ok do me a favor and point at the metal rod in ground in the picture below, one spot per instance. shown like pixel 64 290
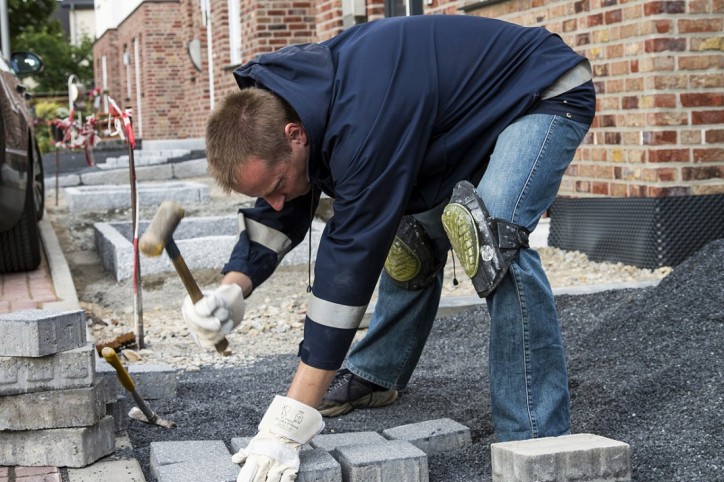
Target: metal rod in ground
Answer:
pixel 57 169
pixel 137 296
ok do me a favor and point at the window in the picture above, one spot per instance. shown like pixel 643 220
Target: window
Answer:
pixel 401 8
pixel 234 32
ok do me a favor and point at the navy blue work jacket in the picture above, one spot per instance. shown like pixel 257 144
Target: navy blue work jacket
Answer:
pixel 397 111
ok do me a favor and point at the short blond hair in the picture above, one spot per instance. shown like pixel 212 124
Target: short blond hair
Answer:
pixel 248 123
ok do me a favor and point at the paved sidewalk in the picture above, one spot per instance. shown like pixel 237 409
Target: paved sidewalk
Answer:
pixel 26 291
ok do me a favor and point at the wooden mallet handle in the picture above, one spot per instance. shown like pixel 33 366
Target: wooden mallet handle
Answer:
pixel 159 235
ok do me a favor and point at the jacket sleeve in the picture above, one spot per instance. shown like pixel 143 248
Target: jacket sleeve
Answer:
pixel 266 236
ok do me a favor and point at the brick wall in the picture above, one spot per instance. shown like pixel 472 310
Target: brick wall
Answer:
pixel 658 75
pixel 657 66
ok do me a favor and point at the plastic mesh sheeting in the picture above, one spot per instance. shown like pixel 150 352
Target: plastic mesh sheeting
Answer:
pixel 644 232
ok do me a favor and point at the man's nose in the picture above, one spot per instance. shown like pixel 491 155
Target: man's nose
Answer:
pixel 276 201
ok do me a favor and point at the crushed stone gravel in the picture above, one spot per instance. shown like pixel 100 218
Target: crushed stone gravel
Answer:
pixel 645 368
pixel 645 364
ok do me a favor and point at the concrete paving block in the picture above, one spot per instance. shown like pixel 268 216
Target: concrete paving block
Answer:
pixel 99 178
pixel 64 180
pixel 126 470
pixel 119 411
pixel 153 381
pixel 315 465
pixel 332 441
pixel 158 172
pixel 396 460
pixel 58 447
pixel 37 333
pixel 203 242
pixel 238 443
pixel 104 197
pixel 192 461
pixel 76 407
pixel 433 436
pixel 192 168
pixel 64 370
pixel 579 457
pixel 191 144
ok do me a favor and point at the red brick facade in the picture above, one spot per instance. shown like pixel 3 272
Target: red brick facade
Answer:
pixel 657 67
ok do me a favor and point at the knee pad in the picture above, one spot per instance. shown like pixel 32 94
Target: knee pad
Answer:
pixel 411 262
pixel 484 246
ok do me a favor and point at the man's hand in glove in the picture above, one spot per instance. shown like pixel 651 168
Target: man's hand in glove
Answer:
pixel 273 455
pixel 215 315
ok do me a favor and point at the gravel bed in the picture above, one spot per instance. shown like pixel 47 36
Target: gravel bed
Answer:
pixel 645 364
pixel 274 317
pixel 645 368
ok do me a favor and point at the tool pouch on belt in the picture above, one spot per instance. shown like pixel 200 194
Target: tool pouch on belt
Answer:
pixel 411 263
pixel 484 246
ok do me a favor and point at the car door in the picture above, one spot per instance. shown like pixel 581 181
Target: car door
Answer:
pixel 14 161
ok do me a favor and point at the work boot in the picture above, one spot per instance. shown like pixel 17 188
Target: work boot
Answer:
pixel 348 391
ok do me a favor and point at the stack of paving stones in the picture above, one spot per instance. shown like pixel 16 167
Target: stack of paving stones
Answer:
pixel 398 454
pixel 52 410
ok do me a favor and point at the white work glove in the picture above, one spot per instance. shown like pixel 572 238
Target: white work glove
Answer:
pixel 273 455
pixel 215 315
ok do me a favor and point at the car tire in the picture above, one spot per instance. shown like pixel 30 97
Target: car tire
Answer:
pixel 20 246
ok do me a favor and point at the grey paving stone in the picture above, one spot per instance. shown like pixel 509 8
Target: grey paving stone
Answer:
pixel 58 447
pixel 192 461
pixel 99 178
pixel 238 443
pixel 64 370
pixel 396 460
pixel 433 436
pixel 95 198
pixel 36 333
pixel 119 411
pixel 127 470
pixel 579 457
pixel 193 168
pixel 203 242
pixel 153 381
pixel 64 180
pixel 76 407
pixel 315 465
pixel 332 441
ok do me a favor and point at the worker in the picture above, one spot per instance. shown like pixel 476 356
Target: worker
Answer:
pixel 429 132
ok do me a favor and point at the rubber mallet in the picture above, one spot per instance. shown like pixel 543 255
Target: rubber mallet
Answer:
pixel 159 235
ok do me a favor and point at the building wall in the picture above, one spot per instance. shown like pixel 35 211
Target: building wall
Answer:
pixel 657 71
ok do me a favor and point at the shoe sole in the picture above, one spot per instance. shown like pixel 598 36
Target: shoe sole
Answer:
pixel 379 399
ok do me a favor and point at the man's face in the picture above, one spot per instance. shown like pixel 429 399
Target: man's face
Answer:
pixel 282 182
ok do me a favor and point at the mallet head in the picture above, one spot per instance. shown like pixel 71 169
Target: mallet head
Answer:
pixel 161 229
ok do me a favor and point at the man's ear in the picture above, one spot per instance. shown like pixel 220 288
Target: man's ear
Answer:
pixel 295 133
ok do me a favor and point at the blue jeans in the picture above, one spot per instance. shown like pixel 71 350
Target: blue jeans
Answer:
pixel 527 365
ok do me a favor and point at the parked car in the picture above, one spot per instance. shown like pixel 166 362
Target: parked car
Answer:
pixel 22 190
